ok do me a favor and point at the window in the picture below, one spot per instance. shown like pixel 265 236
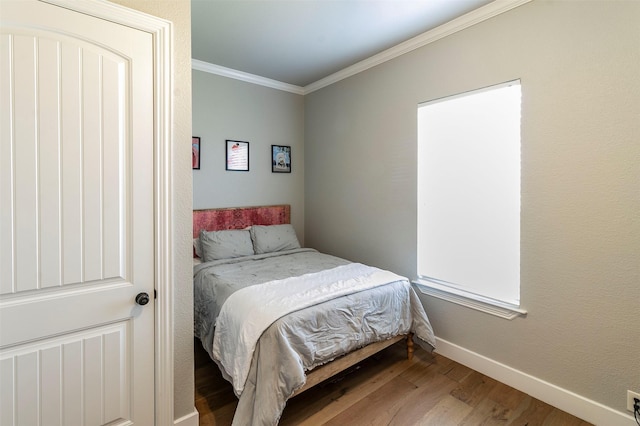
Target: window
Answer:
pixel 469 198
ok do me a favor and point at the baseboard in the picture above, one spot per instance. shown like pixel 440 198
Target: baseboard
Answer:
pixel 190 419
pixel 572 403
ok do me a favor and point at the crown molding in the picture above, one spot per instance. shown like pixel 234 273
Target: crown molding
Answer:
pixel 488 11
pixel 245 76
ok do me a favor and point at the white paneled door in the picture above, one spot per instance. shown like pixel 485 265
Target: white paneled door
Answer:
pixel 76 219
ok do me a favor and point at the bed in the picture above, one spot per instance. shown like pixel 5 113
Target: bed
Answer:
pixel 278 318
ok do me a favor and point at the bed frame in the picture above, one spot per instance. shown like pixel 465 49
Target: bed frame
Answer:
pixel 242 217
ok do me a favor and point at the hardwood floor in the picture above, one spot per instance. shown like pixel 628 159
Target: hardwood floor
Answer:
pixel 386 389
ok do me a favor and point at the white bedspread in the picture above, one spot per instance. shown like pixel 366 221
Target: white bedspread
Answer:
pixel 239 325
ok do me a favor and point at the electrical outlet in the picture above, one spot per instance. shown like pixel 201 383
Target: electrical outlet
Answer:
pixel 630 402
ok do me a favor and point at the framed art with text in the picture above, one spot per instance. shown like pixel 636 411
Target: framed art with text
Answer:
pixel 280 159
pixel 237 156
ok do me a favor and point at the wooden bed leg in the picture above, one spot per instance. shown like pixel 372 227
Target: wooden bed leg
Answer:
pixel 410 346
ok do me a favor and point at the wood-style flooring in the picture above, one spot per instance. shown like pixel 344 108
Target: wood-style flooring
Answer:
pixel 387 389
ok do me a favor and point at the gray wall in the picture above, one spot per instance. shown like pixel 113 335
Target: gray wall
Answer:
pixel 224 108
pixel 579 63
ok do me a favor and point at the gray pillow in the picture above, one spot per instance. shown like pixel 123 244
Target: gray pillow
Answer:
pixel 197 248
pixel 217 245
pixel 270 238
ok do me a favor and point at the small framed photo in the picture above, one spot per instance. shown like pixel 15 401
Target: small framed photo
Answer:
pixel 195 153
pixel 280 159
pixel 237 156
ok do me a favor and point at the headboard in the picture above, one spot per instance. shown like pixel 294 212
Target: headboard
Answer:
pixel 239 217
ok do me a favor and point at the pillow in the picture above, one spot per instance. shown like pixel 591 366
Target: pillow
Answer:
pixel 225 244
pixel 270 238
pixel 197 249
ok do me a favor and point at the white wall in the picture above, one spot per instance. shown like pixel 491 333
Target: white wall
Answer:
pixel 223 109
pixel 579 63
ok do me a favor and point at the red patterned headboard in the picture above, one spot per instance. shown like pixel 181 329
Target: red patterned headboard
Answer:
pixel 239 217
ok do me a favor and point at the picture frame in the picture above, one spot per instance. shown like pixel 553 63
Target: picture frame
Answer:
pixel 280 159
pixel 237 158
pixel 195 153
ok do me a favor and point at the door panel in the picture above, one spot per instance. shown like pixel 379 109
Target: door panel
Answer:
pixel 76 212
pixel 71 165
pixel 78 379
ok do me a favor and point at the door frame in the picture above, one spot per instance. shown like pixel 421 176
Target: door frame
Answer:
pixel 161 31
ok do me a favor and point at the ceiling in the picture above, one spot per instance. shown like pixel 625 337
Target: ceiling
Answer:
pixel 299 42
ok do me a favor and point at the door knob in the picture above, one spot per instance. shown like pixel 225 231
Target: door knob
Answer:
pixel 142 299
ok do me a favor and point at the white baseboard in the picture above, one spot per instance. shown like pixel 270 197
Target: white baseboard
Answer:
pixel 572 403
pixel 190 419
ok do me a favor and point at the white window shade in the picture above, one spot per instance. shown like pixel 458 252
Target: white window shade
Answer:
pixel 469 192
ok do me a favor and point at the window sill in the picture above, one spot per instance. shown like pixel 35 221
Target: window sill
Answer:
pixel 470 300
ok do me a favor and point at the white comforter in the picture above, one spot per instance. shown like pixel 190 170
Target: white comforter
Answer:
pixel 240 324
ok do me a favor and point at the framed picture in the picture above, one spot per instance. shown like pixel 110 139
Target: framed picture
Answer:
pixel 195 153
pixel 237 156
pixel 280 159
